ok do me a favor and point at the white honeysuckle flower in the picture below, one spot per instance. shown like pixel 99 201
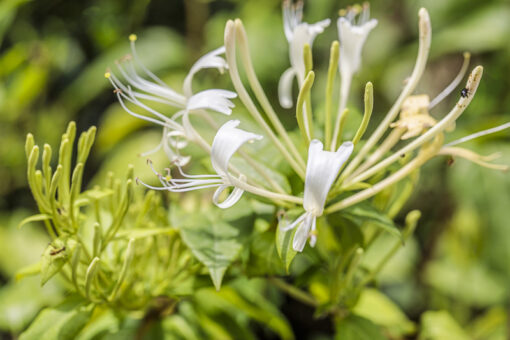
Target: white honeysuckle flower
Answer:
pixel 227 141
pixel 352 35
pixel 151 88
pixel 210 60
pixel 298 34
pixel 321 170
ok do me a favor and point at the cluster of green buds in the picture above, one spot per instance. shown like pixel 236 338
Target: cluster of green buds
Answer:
pixel 103 239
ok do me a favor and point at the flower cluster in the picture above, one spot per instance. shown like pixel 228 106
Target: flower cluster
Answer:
pixel 330 182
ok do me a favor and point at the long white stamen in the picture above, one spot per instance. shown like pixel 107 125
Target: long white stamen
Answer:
pixel 455 82
pixel 132 39
pixel 480 134
pixel 120 95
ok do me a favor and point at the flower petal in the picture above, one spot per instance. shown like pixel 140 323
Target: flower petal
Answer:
pixel 302 233
pixel 321 170
pixel 352 38
pixel 214 99
pixel 285 88
pixel 303 34
pixel 232 199
pixel 209 60
pixel 227 141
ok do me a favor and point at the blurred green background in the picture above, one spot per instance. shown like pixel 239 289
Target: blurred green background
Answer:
pixel 53 54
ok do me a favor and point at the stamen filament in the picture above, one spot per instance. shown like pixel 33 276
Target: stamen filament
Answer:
pixel 455 82
pixel 480 134
pixel 472 84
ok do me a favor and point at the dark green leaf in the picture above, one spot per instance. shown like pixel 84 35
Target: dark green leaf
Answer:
pixel 439 325
pixel 355 327
pixel 362 213
pixel 284 241
pixel 216 237
pixel 62 322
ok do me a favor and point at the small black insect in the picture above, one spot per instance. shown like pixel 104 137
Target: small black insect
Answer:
pixel 57 251
pixel 464 93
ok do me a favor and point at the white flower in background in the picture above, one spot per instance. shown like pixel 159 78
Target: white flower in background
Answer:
pixel 298 34
pixel 353 33
pixel 321 170
pixel 175 135
pixel 227 141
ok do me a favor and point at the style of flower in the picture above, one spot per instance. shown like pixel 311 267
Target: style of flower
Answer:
pixel 298 35
pixel 321 171
pixel 227 141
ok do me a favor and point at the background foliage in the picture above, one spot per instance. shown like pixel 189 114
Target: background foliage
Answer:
pixel 452 278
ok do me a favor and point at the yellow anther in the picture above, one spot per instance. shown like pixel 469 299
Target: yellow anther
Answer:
pixel 107 75
pixel 132 37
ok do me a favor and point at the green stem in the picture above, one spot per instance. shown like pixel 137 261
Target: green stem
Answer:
pixel 296 293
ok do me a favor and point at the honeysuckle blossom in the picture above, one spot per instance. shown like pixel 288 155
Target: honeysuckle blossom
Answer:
pixel 227 141
pixel 321 170
pixel 352 34
pixel 298 34
pixel 154 89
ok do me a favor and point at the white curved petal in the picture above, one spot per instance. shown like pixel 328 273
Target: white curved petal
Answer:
pixel 302 233
pixel 227 141
pixel 209 60
pixel 285 88
pixel 321 170
pixel 232 199
pixel 303 34
pixel 352 38
pixel 214 99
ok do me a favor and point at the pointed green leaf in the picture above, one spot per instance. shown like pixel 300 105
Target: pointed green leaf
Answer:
pixel 284 241
pixel 439 325
pixel 29 270
pixel 62 322
pixel 216 236
pixel 354 327
pixel 361 213
pixel 379 309
pixel 34 218
pixel 55 256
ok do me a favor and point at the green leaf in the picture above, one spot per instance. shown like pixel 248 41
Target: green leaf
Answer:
pixel 264 259
pixel 347 232
pixel 33 269
pixel 439 325
pixel 362 213
pixel 284 242
pixel 62 322
pixel 55 256
pixel 355 327
pixel 34 218
pixel 21 301
pixel 216 237
pixel 379 309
